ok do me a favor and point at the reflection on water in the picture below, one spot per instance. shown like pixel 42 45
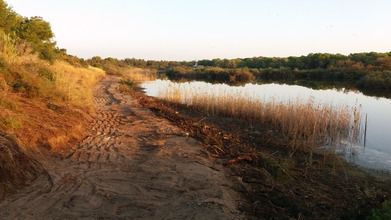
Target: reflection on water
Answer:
pixel 376 154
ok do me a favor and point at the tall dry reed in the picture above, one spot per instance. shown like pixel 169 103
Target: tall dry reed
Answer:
pixel 139 74
pixel 303 124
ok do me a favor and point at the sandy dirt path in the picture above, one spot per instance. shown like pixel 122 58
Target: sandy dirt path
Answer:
pixel 132 165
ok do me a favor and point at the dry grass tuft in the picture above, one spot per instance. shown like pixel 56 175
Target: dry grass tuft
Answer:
pixel 131 76
pixel 8 48
pixel 10 121
pixel 10 117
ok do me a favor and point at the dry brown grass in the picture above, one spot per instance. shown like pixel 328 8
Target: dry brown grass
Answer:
pixel 24 72
pixel 139 74
pixel 10 117
pixel 76 84
pixel 24 75
pixel 303 124
pixel 8 48
pixel 131 76
pixel 59 81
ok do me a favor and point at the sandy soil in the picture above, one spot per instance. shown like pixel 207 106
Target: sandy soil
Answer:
pixel 132 165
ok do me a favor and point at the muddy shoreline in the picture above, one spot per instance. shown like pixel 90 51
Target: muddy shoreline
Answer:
pixel 277 184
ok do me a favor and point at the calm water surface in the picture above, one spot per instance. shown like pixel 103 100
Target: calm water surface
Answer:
pixel 377 152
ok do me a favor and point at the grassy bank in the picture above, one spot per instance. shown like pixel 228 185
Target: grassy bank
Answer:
pixel 39 81
pixel 45 98
pixel 115 67
pixel 44 107
pixel 25 77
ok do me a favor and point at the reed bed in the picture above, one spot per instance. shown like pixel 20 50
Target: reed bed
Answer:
pixel 303 124
pixel 139 74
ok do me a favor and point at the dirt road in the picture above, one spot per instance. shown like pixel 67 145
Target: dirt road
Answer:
pixel 132 165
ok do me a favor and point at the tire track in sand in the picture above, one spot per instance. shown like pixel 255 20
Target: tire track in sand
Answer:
pixel 132 165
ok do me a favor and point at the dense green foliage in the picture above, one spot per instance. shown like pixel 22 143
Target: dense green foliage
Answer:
pixel 357 61
pixel 9 20
pixel 378 61
pixel 376 80
pixel 366 70
pixel 112 63
pixel 34 33
pixel 215 74
pixel 109 65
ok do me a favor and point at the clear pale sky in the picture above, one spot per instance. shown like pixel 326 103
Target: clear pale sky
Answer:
pixel 189 30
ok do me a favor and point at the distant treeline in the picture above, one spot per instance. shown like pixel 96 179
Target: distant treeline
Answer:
pixel 112 63
pixel 372 60
pixel 366 70
pixel 378 61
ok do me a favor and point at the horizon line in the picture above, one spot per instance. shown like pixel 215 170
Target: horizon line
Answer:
pixel 261 56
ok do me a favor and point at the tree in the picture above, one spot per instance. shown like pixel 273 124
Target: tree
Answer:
pixel 9 20
pixel 96 61
pixel 38 33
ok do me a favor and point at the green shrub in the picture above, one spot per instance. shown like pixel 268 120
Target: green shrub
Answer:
pixel 47 74
pixel 213 74
pixel 382 213
pixel 26 88
pixel 376 80
pixel 73 60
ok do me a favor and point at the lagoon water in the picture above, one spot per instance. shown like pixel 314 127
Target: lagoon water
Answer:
pixel 376 154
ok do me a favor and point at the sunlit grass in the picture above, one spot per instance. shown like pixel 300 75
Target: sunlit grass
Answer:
pixel 303 124
pixel 8 48
pixel 25 78
pixel 10 121
pixel 59 81
pixel 75 83
pixel 131 76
